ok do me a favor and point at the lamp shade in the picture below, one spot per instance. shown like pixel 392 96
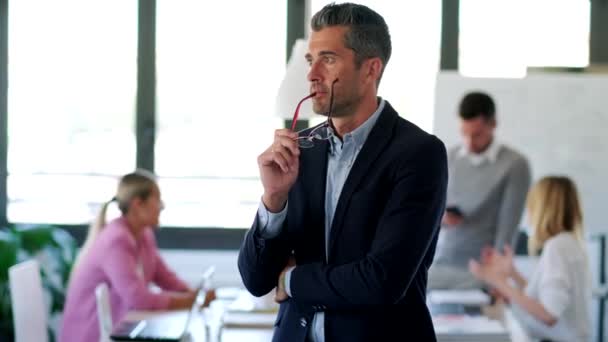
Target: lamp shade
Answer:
pixel 294 86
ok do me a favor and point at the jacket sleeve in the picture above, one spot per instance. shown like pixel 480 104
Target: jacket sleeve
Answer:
pixel 407 227
pixel 261 260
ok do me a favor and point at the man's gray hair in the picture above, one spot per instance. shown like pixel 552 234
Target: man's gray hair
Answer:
pixel 368 34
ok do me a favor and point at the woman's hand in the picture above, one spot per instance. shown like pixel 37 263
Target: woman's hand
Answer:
pixel 495 268
pixel 209 297
pixel 503 263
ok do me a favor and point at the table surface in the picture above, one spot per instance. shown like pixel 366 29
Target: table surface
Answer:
pixel 207 326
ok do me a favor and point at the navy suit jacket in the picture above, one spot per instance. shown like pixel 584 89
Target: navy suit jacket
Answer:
pixel 382 240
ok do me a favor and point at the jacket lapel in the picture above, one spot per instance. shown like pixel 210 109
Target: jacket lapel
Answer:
pixel 314 175
pixel 376 142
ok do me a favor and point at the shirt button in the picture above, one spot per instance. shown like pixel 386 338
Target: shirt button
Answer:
pixel 303 322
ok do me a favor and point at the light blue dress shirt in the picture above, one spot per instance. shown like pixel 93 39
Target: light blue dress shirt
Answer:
pixel 342 156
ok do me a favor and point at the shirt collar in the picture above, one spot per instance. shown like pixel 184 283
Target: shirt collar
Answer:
pixel 490 154
pixel 359 135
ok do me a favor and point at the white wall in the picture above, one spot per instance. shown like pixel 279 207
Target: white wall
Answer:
pixel 559 121
pixel 190 265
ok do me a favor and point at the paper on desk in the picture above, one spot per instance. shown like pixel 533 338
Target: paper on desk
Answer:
pixel 233 319
pixel 462 324
pixel 464 328
pixel 466 297
pixel 245 302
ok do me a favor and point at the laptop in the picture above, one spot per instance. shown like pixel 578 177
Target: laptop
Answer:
pixel 169 326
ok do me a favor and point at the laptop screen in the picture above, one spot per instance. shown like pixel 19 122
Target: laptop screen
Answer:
pixel 201 294
pixel 158 327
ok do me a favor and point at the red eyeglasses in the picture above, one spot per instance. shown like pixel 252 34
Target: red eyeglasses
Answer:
pixel 321 132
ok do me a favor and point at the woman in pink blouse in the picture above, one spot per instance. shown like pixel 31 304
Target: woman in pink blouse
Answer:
pixel 124 255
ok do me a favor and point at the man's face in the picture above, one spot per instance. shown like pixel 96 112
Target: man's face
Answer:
pixel 477 133
pixel 330 59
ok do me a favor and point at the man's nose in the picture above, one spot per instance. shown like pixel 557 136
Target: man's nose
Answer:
pixel 468 142
pixel 313 73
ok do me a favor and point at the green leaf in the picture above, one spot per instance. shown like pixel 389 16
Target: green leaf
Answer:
pixel 53 247
pixel 34 238
pixel 8 253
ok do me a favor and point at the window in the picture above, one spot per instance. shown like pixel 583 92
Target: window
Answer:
pixel 219 70
pixel 71 100
pixel 503 38
pixel 409 79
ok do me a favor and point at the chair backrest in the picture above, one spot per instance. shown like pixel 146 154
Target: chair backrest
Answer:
pixel 104 312
pixel 29 308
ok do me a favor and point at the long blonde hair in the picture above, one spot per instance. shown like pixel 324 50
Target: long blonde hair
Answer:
pixel 553 207
pixel 139 184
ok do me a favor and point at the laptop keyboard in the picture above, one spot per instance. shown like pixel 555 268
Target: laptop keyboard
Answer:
pixel 163 329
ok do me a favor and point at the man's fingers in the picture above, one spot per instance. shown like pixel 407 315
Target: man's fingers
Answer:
pixel 284 132
pixel 279 296
pixel 286 143
pixel 279 155
pixel 280 159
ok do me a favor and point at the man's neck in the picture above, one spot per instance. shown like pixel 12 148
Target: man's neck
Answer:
pixel 346 124
pixel 485 148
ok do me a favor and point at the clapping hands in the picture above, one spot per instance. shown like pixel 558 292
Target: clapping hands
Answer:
pixel 494 267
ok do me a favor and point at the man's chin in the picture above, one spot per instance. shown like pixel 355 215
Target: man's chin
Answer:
pixel 319 111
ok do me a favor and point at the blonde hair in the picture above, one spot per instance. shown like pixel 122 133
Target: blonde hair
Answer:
pixel 139 184
pixel 553 207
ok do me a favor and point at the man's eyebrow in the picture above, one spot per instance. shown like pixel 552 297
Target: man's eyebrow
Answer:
pixel 308 56
pixel 327 52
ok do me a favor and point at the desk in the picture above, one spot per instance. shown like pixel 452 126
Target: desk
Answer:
pixel 466 315
pixel 448 329
pixel 199 331
pixel 488 327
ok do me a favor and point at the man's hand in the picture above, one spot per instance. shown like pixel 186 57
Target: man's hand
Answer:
pixel 451 219
pixel 279 166
pixel 281 293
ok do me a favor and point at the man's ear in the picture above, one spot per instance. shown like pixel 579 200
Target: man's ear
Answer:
pixel 492 123
pixel 373 68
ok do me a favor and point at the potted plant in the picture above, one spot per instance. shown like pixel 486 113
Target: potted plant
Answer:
pixel 8 257
pixel 54 249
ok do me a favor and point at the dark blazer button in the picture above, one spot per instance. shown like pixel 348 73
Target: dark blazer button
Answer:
pixel 303 322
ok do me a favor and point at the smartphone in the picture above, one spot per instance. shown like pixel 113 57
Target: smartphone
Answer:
pixel 454 210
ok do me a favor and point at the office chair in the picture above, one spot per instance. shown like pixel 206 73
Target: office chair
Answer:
pixel 29 308
pixel 104 312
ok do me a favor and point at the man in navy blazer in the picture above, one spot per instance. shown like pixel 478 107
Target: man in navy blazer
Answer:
pixel 348 222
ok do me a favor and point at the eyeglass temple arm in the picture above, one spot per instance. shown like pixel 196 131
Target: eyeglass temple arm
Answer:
pixel 331 103
pixel 297 112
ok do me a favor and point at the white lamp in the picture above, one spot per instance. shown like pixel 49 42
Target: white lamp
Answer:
pixel 295 86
